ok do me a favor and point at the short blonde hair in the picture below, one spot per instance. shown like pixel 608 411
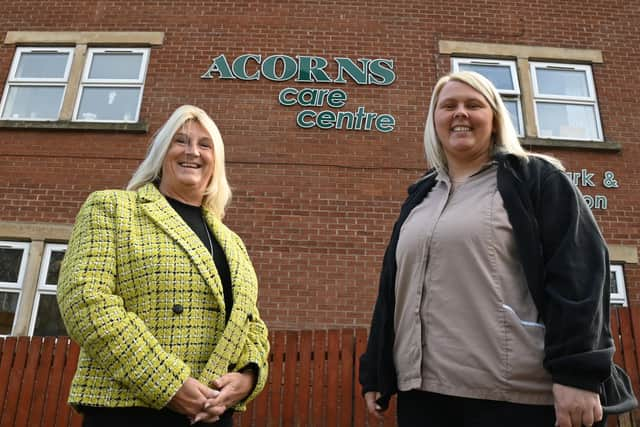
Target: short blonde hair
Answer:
pixel 218 193
pixel 505 139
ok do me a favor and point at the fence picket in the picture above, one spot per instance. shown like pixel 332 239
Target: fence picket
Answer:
pixel 15 382
pixel 304 401
pixel 28 381
pixel 6 361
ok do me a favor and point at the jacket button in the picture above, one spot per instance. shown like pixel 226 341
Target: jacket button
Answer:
pixel 177 308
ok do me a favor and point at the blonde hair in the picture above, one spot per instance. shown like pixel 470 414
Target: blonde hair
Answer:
pixel 505 138
pixel 217 194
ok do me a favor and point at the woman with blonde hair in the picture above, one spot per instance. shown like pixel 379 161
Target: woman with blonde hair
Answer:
pixel 493 305
pixel 160 294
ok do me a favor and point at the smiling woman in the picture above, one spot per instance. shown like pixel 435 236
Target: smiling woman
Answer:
pixel 188 165
pixel 192 129
pixel 494 261
pixel 464 124
pixel 161 295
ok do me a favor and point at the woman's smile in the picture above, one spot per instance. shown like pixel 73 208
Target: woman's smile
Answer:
pixel 188 165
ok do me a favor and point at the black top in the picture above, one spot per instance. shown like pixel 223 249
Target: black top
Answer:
pixel 192 215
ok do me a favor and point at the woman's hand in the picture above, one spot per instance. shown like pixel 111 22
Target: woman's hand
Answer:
pixel 374 409
pixel 191 398
pixel 234 387
pixel 576 407
pixel 231 388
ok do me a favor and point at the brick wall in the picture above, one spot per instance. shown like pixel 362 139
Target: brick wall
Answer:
pixel 315 207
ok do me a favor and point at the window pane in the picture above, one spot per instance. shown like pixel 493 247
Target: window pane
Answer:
pixel 614 282
pixel 500 75
pixel 8 306
pixel 33 102
pixel 42 65
pixel 562 82
pixel 107 103
pixel 54 267
pixel 113 66
pixel 512 106
pixel 10 261
pixel 48 319
pixel 567 121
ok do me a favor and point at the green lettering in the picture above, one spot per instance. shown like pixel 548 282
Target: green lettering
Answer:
pixel 240 66
pixel 359 116
pixel 311 68
pixel 385 123
pixel 346 65
pixel 342 115
pixel 337 98
pixel 282 97
pixel 306 97
pixel 289 68
pixel 326 119
pixel 381 72
pixel 221 66
pixel 304 114
pixel 369 120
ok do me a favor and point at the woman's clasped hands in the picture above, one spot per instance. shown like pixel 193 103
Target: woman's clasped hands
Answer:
pixel 202 403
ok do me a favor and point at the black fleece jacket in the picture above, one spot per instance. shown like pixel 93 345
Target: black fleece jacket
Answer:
pixel 566 264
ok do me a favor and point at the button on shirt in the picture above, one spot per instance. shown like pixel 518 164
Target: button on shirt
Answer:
pixel 465 322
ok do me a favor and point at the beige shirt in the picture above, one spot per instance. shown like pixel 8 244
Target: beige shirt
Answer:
pixel 465 322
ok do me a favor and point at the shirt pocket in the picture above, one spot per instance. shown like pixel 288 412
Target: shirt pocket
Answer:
pixel 524 350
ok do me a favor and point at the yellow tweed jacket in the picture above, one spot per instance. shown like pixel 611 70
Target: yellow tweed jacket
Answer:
pixel 141 295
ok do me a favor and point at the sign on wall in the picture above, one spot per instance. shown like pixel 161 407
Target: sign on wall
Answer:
pixel 584 178
pixel 312 69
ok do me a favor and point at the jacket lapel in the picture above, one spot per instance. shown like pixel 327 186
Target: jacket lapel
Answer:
pixel 167 219
pixel 235 257
pixel 225 238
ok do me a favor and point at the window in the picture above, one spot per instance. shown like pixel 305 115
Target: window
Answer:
pixel 110 89
pixel 549 91
pixel 77 79
pixel 29 267
pixel 565 101
pixel 45 318
pixel 13 262
pixel 37 83
pixel 618 288
pixel 504 76
pixel 112 84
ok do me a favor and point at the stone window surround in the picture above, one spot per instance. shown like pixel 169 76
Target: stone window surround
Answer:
pixel 523 54
pixel 80 40
pixel 37 234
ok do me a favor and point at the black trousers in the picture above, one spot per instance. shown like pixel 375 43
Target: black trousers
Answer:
pixel 144 417
pixel 423 409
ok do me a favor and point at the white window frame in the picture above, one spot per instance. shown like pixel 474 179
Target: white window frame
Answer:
pixel 13 81
pixel 18 286
pixel 590 100
pixel 87 82
pixel 620 297
pixel 43 287
pixel 512 95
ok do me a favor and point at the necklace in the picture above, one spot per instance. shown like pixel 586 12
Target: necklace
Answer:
pixel 206 230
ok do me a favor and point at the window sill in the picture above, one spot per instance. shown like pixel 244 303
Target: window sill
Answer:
pixel 572 144
pixel 140 127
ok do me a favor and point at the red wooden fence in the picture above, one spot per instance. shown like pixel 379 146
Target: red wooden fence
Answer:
pixel 35 375
pixel 313 380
